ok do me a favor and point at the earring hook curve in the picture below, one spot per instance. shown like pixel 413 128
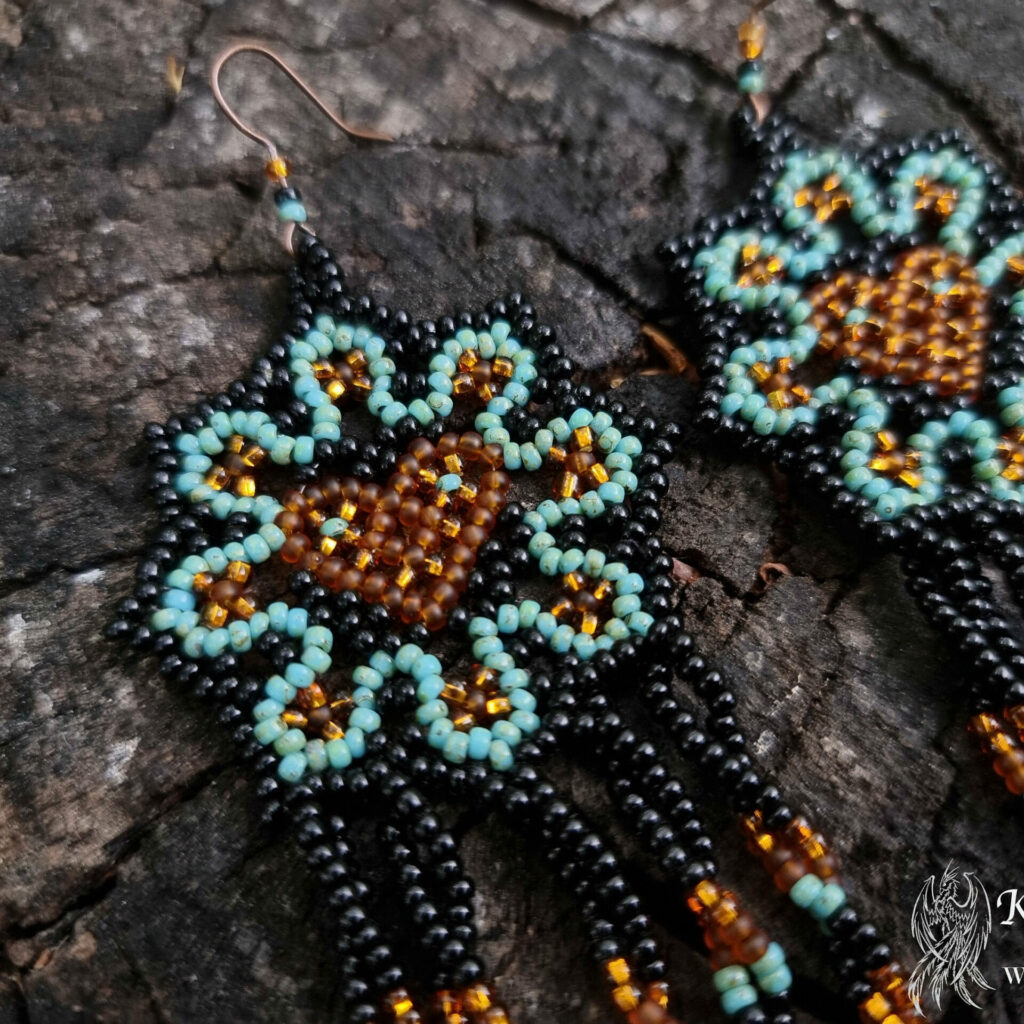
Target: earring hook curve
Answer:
pixel 265 51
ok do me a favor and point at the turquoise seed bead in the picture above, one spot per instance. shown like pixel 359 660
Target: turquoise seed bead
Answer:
pixel 506 731
pixel 526 721
pixel 625 606
pixel 779 981
pixel 632 583
pixel 426 713
pixel 278 612
pixel 771 960
pixel 429 689
pixel 297 622
pixel 456 746
pixel 739 998
pixel 291 741
pixel 269 730
pixel 439 731
pixel 730 977
pixel 277 688
pixel 268 708
pixel 240 635
pixel 829 901
pixel 479 743
pixel 356 740
pixel 508 618
pixel 338 753
pixel 364 718
pixel 257 548
pixel 806 890
pixel 316 755
pixel 319 636
pixel 612 492
pixel 487 645
pixel 522 699
pixel 292 210
pixel 316 659
pixel 480 627
pixel 293 766
pixel 425 665
pixel 549 561
pixel 180 600
pixel 369 677
pixel 405 656
pixel 584 645
pixel 561 639
pixel 500 755
pixel 528 612
pixel 299 675
pixel 216 642
pixel 592 505
pixel 165 619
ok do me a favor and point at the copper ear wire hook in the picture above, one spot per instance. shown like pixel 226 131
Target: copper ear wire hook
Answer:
pixel 264 140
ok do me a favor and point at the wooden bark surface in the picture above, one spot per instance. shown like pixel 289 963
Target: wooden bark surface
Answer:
pixel 542 144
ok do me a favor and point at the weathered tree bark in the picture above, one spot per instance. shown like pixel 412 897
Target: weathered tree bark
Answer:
pixel 542 144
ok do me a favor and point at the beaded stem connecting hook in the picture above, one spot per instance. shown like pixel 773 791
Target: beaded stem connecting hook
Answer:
pixel 277 167
pixel 751 72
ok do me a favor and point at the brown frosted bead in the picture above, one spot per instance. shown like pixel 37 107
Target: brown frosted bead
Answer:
pixel 402 484
pixel 579 462
pixel 225 591
pixel 422 450
pixel 294 547
pixel 369 494
pixel 789 874
pixel 431 517
pixel 412 607
pixel 373 540
pixel 312 560
pixel 294 500
pixel 390 501
pixel 481 517
pixel 736 930
pixel 433 616
pixel 445 595
pixel 350 579
pixel 752 948
pixel 493 455
pixel 493 501
pixel 374 586
pixel 425 538
pixel 391 553
pixel 314 496
pixel 407 466
pixel 393 598
pixel 495 480
pixel 289 521
pixel 382 522
pixel 350 488
pixel 470 445
pixel 330 573
pixel 414 556
pixel 331 486
pixel 409 511
pixel 447 445
pixel 474 536
pixel 456 575
pixel 482 372
pixel 460 554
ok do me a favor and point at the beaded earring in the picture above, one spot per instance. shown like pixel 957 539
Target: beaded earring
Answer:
pixel 862 315
pixel 405 562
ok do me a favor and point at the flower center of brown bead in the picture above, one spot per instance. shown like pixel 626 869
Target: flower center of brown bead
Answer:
pixel 236 465
pixel 227 598
pixel 582 603
pixel 895 462
pixel 582 469
pixel 483 377
pixel 411 543
pixel 476 700
pixel 317 714
pixel 345 377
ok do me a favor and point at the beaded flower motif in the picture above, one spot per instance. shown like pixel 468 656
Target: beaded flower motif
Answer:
pixel 872 305
pixel 338 571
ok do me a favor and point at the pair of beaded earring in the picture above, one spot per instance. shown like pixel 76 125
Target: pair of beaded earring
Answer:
pixel 405 562
pixel 863 321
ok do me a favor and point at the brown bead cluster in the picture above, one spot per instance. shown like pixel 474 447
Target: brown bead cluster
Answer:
pixel 408 545
pixel 1002 737
pixel 911 331
pixel 235 469
pixel 778 383
pixel 825 197
pixel 757 269
pixel 935 198
pixel 641 1006
pixel 1011 449
pixel 729 931
pixel 474 1005
pixel 791 853
pixel 890 1002
pixel 345 377
pixel 317 714
pixel 477 700
pixel 582 470
pixel 483 377
pixel 894 461
pixel 582 602
pixel 226 597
